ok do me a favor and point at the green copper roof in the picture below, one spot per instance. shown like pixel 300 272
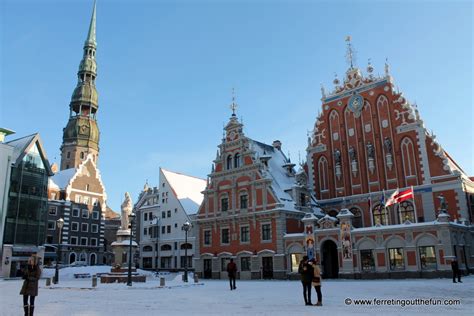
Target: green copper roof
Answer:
pixel 90 41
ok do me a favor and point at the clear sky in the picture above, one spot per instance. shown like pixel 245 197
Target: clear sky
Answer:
pixel 166 70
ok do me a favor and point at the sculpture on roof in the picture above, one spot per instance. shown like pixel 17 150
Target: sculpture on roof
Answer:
pixel 126 211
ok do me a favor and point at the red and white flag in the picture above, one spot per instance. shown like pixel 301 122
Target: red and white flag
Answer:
pixel 398 197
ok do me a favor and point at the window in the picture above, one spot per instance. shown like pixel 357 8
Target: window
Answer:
pixel 145 216
pixel 87 187
pixel 52 210
pixel 94 228
pixel 266 232
pixel 380 215
pixel 83 241
pixel 323 174
pixel 75 212
pixel 145 231
pixel 224 204
pixel 237 160
pixel 428 258
pixel 51 225
pixel 406 211
pixel 245 264
pixel 163 214
pixel 68 155
pixel 367 260
pixel 93 242
pixel 224 262
pixel 147 248
pixel 75 226
pixel 84 227
pixel 86 200
pixel 165 247
pixel 357 219
pixel 229 162
pixel 168 229
pixel 243 201
pixel 169 213
pixel 244 234
pixel 186 246
pixel 295 261
pixel 302 199
pixel 189 261
pixel 163 230
pixel 207 237
pixel 85 213
pixel 78 198
pixel 225 236
pixel 95 215
pixel 396 259
pixel 165 262
pixel 73 240
pixel 175 225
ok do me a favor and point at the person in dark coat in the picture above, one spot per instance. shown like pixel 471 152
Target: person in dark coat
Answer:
pixel 456 271
pixel 232 273
pixel 317 281
pixel 31 276
pixel 306 272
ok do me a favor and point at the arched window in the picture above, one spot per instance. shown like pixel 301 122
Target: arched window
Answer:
pixel 229 162
pixel 408 157
pixel 382 100
pixel 237 160
pixel 147 248
pixel 165 247
pixel 323 173
pixel 357 219
pixel 406 212
pixel 188 246
pixel 72 257
pixel 93 259
pixel 380 215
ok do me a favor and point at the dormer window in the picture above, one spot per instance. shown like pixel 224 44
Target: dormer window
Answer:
pixel 229 162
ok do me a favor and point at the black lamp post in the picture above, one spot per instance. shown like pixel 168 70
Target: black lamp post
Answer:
pixel 186 227
pixel 131 217
pixel 59 226
pixel 157 233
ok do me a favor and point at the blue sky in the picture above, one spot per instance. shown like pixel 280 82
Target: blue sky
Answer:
pixel 166 70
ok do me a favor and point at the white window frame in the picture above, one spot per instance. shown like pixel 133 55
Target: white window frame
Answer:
pixel 78 199
pixel 204 237
pixel 223 243
pixel 90 242
pixel 86 212
pixel 54 225
pixel 94 228
pixel 73 238
pixel 87 241
pixel 72 226
pixel 55 208
pixel 78 212
pixel 261 232
pixel 95 215
pixel 240 234
pixel 87 227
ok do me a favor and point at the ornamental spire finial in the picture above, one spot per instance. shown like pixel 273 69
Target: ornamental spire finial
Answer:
pixel 350 54
pixel 90 41
pixel 233 105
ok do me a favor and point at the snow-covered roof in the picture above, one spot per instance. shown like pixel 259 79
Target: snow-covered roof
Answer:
pixel 187 189
pixel 61 179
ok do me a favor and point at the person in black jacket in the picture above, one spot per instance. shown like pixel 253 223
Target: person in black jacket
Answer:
pixel 456 271
pixel 29 289
pixel 232 273
pixel 306 271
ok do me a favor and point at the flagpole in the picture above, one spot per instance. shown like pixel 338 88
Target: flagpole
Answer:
pixel 384 202
pixel 414 205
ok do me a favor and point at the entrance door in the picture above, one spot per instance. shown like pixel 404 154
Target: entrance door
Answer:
pixel 330 260
pixel 267 267
pixel 207 268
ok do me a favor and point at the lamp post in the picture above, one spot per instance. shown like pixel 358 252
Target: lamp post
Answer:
pixel 186 227
pixel 59 226
pixel 131 217
pixel 157 233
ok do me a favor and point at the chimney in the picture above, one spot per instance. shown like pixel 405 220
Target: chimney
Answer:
pixel 277 144
pixel 5 132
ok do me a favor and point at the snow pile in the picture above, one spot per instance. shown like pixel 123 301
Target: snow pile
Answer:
pixel 69 272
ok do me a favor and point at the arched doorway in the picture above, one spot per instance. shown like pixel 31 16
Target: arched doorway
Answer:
pixel 72 257
pixel 330 260
pixel 93 259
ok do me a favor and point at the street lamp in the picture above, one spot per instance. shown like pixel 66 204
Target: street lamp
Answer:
pixel 157 232
pixel 131 218
pixel 186 227
pixel 59 226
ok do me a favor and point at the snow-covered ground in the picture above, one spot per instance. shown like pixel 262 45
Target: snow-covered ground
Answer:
pixel 213 297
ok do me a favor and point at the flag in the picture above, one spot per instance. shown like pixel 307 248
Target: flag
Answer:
pixel 398 197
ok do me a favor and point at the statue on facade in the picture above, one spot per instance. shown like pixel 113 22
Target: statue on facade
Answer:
pixel 442 202
pixel 337 156
pixel 126 208
pixel 370 150
pixel 352 153
pixel 388 144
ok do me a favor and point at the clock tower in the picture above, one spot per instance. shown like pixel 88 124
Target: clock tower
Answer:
pixel 81 134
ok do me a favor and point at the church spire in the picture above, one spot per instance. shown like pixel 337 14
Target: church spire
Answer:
pixel 90 41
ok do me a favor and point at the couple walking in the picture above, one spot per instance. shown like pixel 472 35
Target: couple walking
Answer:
pixel 310 276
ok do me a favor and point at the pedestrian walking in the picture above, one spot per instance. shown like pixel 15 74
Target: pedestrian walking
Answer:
pixel 232 273
pixel 316 282
pixel 306 272
pixel 31 276
pixel 456 271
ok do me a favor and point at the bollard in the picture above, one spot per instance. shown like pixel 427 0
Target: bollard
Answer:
pixel 94 280
pixel 196 279
pixel 162 281
pixel 48 281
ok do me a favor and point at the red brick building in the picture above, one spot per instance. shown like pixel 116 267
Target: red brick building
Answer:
pixel 253 198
